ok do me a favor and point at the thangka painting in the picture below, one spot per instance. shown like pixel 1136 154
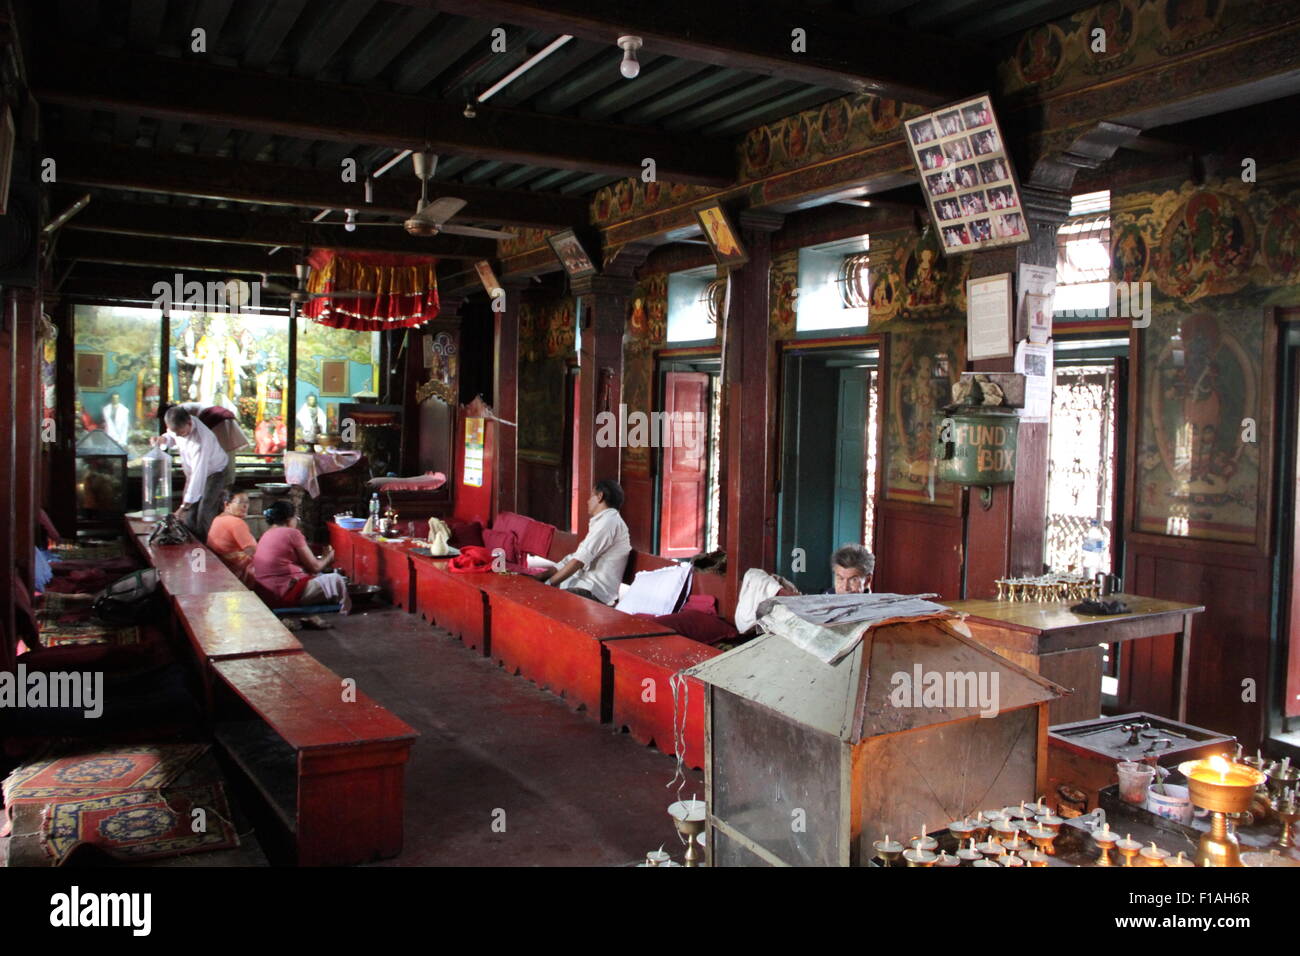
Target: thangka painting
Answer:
pixel 912 280
pixel 546 340
pixel 923 365
pixel 1198 453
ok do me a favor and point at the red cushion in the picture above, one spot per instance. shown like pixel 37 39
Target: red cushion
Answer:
pixel 507 541
pixel 465 533
pixel 471 559
pixel 699 626
pixel 705 603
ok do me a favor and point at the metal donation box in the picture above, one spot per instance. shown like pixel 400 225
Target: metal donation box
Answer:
pixel 977 446
pixel 808 763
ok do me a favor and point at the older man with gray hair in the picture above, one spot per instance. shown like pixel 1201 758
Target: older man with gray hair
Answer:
pixel 852 565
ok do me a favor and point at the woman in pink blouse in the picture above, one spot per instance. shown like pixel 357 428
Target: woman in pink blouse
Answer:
pixel 287 573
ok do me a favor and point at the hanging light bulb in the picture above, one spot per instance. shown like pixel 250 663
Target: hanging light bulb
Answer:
pixel 370 190
pixel 350 223
pixel 629 67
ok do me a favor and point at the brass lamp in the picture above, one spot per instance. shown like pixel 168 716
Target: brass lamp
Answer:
pixel 1222 788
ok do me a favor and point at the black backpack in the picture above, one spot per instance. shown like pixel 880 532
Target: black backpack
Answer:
pixel 135 599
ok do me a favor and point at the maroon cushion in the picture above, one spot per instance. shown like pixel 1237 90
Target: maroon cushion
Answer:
pixel 465 533
pixel 699 626
pixel 507 541
pixel 705 603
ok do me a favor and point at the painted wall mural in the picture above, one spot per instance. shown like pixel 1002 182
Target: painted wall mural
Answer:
pixel 1134 35
pixel 118 354
pixel 924 362
pixel 546 341
pixel 783 295
pixel 1218 256
pixel 647 330
pixel 911 279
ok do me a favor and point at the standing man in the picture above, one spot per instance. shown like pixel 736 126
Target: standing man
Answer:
pixel 311 422
pixel 117 419
pixel 596 569
pixel 204 462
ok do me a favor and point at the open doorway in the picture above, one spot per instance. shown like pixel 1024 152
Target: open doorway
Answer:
pixel 827 486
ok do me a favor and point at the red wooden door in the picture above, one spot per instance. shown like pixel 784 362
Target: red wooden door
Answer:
pixel 684 487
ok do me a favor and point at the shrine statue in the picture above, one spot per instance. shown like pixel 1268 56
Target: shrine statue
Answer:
pixel 311 421
pixel 117 419
pixel 270 391
pixel 219 363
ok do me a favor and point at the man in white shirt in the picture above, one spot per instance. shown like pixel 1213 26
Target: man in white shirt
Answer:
pixel 117 419
pixel 204 462
pixel 311 422
pixel 596 569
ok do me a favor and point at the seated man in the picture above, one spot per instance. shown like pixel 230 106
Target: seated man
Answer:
pixel 852 565
pixel 596 569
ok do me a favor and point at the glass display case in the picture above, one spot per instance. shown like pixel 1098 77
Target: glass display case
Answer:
pixel 101 480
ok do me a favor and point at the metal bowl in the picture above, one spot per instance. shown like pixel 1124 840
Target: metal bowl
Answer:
pixel 363 594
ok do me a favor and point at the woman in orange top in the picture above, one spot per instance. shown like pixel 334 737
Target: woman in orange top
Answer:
pixel 229 535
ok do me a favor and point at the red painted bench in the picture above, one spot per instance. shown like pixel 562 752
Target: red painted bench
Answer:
pixel 333 771
pixel 643 699
pixel 453 602
pixel 341 541
pixel 555 638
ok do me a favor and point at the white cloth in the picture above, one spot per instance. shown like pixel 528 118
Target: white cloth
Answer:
pixel 439 535
pixel 117 422
pixel 656 592
pixel 328 587
pixel 201 454
pixel 311 423
pixel 304 468
pixel 756 587
pixel 603 553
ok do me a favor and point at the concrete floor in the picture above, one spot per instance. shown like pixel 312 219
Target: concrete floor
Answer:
pixel 571 791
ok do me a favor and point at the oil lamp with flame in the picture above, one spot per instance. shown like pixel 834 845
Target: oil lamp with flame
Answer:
pixel 1222 788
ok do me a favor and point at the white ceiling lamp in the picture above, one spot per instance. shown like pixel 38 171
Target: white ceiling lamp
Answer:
pixel 629 67
pixel 350 223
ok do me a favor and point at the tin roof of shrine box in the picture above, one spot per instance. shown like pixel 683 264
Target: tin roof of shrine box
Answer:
pixel 892 672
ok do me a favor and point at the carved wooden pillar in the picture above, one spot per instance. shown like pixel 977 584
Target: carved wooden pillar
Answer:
pixel 8 463
pixel 749 523
pixel 61 491
pixel 1007 538
pixel 26 308
pixel 417 374
pixel 602 315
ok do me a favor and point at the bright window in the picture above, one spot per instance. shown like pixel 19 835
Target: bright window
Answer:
pixel 688 307
pixel 1083 257
pixel 828 280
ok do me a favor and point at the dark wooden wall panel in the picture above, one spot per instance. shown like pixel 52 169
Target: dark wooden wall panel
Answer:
pixel 638 511
pixel 918 552
pixel 1230 640
pixel 541 493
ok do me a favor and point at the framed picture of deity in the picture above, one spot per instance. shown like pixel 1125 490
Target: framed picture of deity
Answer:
pixel 923 364
pixel 1202 447
pixel 966 175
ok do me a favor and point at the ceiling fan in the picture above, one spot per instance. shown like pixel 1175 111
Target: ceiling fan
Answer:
pixel 430 218
pixel 300 294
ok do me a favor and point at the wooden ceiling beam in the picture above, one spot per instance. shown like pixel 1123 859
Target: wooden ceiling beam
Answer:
pixel 229 180
pixel 172 255
pixel 843 52
pixel 193 91
pixel 227 227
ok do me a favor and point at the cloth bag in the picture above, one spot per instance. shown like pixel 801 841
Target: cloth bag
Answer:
pixel 439 536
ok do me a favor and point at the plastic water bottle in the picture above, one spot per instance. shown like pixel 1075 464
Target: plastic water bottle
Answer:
pixel 374 508
pixel 1093 549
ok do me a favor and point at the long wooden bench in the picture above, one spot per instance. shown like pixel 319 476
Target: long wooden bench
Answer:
pixel 343 798
pixel 643 699
pixel 330 767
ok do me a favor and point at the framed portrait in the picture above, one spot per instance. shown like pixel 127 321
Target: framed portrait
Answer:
pixel 967 176
pixel 334 377
pixel 923 366
pixel 572 256
pixel 1202 376
pixel 721 235
pixel 489 278
pixel 90 370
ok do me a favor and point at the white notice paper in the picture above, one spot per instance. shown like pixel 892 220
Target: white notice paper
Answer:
pixel 1036 293
pixel 1034 361
pixel 988 317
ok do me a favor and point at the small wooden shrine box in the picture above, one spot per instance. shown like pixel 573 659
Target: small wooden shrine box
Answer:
pixel 808 763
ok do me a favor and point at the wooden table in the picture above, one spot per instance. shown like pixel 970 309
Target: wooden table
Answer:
pixel 643 698
pixel 451 600
pixel 1052 640
pixel 371 560
pixel 225 625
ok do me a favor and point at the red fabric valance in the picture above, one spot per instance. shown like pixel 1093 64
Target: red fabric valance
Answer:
pixel 405 287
